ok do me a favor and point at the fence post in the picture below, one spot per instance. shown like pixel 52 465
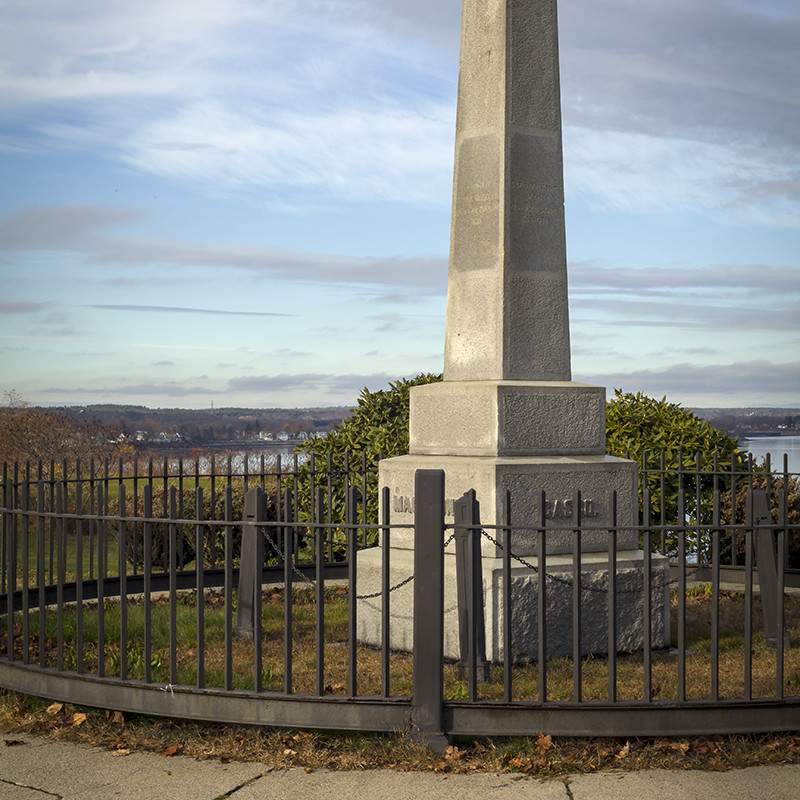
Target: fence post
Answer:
pixel 426 707
pixel 249 567
pixel 766 562
pixel 469 577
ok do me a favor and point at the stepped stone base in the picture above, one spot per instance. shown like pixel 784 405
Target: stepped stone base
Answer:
pixel 524 589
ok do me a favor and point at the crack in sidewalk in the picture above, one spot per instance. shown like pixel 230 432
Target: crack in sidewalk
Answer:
pixel 240 786
pixel 32 788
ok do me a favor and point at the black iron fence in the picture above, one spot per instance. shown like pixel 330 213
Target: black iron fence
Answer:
pixel 206 592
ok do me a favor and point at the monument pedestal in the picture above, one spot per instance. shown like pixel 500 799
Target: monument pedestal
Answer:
pixel 524 615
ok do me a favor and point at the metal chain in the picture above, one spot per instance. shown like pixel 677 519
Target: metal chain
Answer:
pixel 568 581
pixel 307 580
pixel 406 581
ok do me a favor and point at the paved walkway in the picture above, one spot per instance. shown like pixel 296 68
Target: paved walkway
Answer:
pixel 41 769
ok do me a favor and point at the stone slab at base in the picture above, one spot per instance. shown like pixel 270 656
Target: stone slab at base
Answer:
pixel 524 590
pixel 525 479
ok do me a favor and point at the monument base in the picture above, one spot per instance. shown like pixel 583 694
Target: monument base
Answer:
pixel 524 615
pixel 594 476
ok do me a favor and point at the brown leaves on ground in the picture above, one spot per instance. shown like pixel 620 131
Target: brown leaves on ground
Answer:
pixel 542 755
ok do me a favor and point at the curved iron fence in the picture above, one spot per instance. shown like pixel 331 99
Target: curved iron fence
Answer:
pixel 174 594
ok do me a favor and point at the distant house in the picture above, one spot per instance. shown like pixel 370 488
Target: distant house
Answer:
pixel 265 436
pixel 283 436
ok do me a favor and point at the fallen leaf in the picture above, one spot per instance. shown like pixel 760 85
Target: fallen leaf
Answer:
pixel 119 717
pixel 682 746
pixel 717 766
pixel 544 743
pixel 289 752
pixel 624 752
pixel 702 746
pixel 172 750
pixel 308 770
pixel 78 718
pixel 54 709
pixel 453 753
pixel 13 742
pixel 122 752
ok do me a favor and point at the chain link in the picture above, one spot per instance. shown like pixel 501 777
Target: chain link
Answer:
pixel 568 581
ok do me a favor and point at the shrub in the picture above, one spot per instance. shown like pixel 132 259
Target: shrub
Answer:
pixel 214 535
pixel 638 426
pixel 378 427
pixel 775 488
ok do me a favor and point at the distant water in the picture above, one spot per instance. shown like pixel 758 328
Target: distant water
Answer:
pixel 776 446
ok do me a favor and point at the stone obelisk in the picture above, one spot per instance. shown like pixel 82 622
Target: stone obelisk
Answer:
pixel 507 418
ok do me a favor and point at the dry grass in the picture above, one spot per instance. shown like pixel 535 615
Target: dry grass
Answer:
pixel 541 756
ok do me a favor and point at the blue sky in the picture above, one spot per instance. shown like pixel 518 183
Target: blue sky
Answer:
pixel 247 202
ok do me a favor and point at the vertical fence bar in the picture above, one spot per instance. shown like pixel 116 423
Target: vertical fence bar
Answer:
pixel 122 562
pixel 5 536
pixel 41 575
pixel 105 512
pixel 541 598
pixel 288 552
pixel 364 496
pixel 426 709
pixel 135 513
pixel 199 564
pixel 647 598
pixel 173 586
pixel 147 556
pixel 734 534
pixel 228 564
pixel 715 571
pixel 213 476
pixel 385 592
pixel 352 590
pixel 26 576
pixel 319 545
pixel 748 596
pixel 10 530
pixel 662 467
pixel 612 597
pixel 577 653
pixel 258 643
pixel 180 549
pixel 51 524
pixel 781 558
pixel 101 582
pixel 165 515
pixel 79 633
pixel 329 509
pixel 508 666
pixel 698 506
pixel 681 596
pixel 60 575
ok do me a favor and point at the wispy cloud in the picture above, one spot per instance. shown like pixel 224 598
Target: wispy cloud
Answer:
pixel 81 229
pixel 774 383
pixel 183 310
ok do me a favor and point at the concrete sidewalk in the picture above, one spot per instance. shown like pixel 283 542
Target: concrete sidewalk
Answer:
pixel 41 769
